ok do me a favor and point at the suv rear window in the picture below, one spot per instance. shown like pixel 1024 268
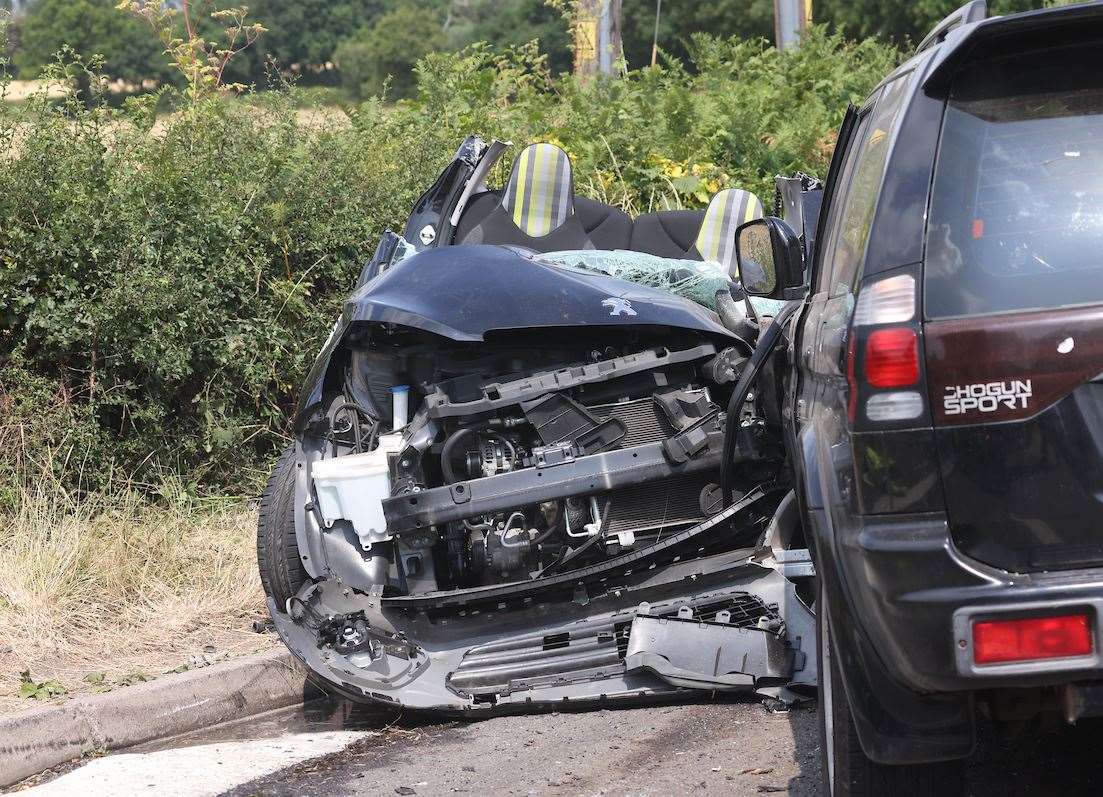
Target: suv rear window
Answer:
pixel 1016 218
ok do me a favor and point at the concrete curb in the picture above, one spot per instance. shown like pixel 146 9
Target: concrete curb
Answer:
pixel 35 740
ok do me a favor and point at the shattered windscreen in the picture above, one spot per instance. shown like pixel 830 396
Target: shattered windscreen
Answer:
pixel 691 279
pixel 695 280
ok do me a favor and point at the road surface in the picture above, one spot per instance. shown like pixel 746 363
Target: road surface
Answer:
pixel 726 747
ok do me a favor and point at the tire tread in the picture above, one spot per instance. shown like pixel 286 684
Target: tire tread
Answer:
pixel 278 558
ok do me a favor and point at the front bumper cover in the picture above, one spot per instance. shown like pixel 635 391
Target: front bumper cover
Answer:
pixel 602 649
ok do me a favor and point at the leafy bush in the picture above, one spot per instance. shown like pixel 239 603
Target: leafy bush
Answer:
pixel 671 136
pixel 89 27
pixel 381 55
pixel 164 287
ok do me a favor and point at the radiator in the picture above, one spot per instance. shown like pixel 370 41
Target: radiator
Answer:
pixel 654 506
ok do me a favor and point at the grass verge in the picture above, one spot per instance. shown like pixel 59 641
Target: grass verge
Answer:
pixel 104 590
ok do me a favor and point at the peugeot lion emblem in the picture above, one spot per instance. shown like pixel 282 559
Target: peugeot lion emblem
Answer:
pixel 618 306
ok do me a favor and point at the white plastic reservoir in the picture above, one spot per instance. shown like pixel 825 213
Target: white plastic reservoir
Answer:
pixel 400 406
pixel 353 488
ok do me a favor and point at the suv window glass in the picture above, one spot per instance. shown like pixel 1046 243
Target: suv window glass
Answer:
pixel 1016 218
pixel 849 230
pixel 834 211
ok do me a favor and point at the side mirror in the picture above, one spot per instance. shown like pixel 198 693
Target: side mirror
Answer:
pixel 771 263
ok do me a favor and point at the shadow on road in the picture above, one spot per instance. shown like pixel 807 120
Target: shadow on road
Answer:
pixel 1041 762
pixel 1035 761
pixel 804 725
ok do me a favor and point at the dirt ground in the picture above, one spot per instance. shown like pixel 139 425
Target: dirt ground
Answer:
pixel 80 670
pixel 19 90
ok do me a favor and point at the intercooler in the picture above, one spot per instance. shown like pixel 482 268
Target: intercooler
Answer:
pixel 659 505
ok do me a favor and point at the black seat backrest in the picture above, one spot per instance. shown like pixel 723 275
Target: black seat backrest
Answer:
pixel 537 208
pixel 605 226
pixel 666 233
pixel 707 234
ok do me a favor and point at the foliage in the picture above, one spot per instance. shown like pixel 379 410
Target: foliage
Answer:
pixel 302 36
pixel 511 24
pixel 679 21
pixel 200 60
pixel 164 289
pixel 38 690
pixel 739 114
pixel 89 27
pixel 384 52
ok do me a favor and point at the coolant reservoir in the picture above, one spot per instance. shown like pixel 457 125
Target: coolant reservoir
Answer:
pixel 353 487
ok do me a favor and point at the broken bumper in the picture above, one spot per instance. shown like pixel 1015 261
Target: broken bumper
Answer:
pixel 701 625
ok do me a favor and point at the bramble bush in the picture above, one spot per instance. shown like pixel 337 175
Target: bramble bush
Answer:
pixel 166 280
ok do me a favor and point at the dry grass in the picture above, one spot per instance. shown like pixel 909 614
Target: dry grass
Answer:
pixel 115 585
pixel 19 90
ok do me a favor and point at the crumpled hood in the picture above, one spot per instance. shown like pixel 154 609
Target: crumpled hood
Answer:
pixel 464 292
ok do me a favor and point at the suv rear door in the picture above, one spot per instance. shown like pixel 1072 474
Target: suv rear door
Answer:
pixel 850 199
pixel 1013 306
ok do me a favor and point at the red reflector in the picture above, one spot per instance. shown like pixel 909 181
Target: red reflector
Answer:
pixel 1032 638
pixel 978 228
pixel 892 358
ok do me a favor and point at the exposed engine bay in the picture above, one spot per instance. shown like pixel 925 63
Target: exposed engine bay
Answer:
pixel 493 480
pixel 506 487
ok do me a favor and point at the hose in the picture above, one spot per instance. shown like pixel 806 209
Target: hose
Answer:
pixel 766 344
pixel 358 443
pixel 577 552
pixel 555 527
pixel 449 446
pixel 509 527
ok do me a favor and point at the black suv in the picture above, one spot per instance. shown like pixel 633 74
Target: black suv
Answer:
pixel 942 395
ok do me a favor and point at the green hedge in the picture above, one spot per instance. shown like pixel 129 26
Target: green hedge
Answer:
pixel 162 291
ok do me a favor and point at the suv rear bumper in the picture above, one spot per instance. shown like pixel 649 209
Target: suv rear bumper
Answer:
pixel 915 597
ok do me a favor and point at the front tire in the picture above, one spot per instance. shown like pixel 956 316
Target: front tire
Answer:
pixel 281 569
pixel 845 768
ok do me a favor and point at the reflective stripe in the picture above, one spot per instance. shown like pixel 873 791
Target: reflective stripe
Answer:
pixel 754 210
pixel 727 210
pixel 520 178
pixel 538 196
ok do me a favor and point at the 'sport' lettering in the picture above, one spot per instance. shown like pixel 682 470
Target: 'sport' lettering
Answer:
pixel 987 396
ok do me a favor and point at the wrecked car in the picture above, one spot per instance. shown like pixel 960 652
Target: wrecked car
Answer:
pixel 505 484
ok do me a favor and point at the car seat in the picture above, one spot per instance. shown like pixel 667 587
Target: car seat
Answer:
pixel 696 234
pixel 538 209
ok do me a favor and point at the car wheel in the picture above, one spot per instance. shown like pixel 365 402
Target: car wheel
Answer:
pixel 845 768
pixel 281 569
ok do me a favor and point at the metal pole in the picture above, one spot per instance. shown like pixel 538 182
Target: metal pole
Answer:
pixel 655 41
pixel 791 21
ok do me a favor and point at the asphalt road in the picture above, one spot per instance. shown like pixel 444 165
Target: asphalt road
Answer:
pixel 718 748
pixel 727 747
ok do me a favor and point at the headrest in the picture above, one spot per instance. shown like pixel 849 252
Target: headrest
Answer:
pixel 726 211
pixel 539 196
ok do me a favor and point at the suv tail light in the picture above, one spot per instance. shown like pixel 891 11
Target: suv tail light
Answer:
pixel 887 301
pixel 892 357
pixel 887 406
pixel 1063 636
pixel 885 355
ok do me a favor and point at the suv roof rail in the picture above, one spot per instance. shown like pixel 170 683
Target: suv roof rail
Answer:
pixel 970 12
